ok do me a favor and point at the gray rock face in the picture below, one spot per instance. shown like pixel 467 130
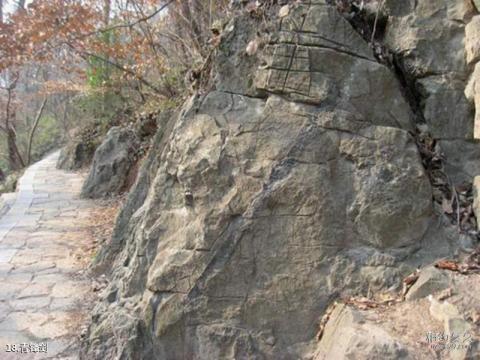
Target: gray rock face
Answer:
pixel 472 38
pixel 446 109
pixel 319 59
pixel 462 159
pixel 139 191
pixel 75 156
pixel 429 34
pixel 431 280
pixel 268 182
pixel 348 336
pixel 263 200
pixel 111 165
pixel 437 42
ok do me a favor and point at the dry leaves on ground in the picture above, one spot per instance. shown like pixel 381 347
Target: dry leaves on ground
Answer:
pixel 455 200
pixel 469 265
pixel 324 320
pixel 102 220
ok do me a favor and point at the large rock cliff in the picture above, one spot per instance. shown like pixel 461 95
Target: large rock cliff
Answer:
pixel 295 181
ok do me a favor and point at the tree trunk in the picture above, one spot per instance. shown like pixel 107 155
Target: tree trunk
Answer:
pixel 34 127
pixel 193 27
pixel 64 121
pixel 14 158
pixel 107 6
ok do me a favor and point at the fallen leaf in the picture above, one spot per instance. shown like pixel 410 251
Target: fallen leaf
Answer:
pixel 251 7
pixel 470 267
pixel 475 316
pixel 411 279
pixel 463 188
pixel 284 11
pixel 215 41
pixel 324 320
pixel 445 294
pixel 447 206
pixel 362 303
pixel 252 47
pixel 447 265
pixel 386 297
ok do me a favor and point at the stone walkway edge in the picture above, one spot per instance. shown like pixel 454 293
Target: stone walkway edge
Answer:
pixel 43 292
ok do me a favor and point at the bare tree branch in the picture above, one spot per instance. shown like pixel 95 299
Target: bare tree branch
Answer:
pixel 132 24
pixel 84 54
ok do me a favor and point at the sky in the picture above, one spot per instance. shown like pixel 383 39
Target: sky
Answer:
pixel 11 5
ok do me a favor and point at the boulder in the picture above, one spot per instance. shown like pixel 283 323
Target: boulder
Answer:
pixel 267 182
pixel 348 336
pixel 430 281
pixel 455 325
pixel 76 155
pixel 461 159
pixel 472 40
pixel 428 35
pixel 436 47
pixel 294 181
pixel 446 109
pixel 472 93
pixel 112 163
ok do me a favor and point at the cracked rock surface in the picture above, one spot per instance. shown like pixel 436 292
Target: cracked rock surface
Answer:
pixel 437 42
pixel 295 181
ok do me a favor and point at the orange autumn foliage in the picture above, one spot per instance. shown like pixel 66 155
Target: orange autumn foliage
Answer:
pixel 62 32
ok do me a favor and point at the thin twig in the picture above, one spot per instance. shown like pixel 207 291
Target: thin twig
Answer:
pixel 376 21
pixel 86 54
pixel 132 24
pixel 455 195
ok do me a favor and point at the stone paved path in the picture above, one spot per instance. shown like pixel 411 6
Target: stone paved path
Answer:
pixel 43 242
